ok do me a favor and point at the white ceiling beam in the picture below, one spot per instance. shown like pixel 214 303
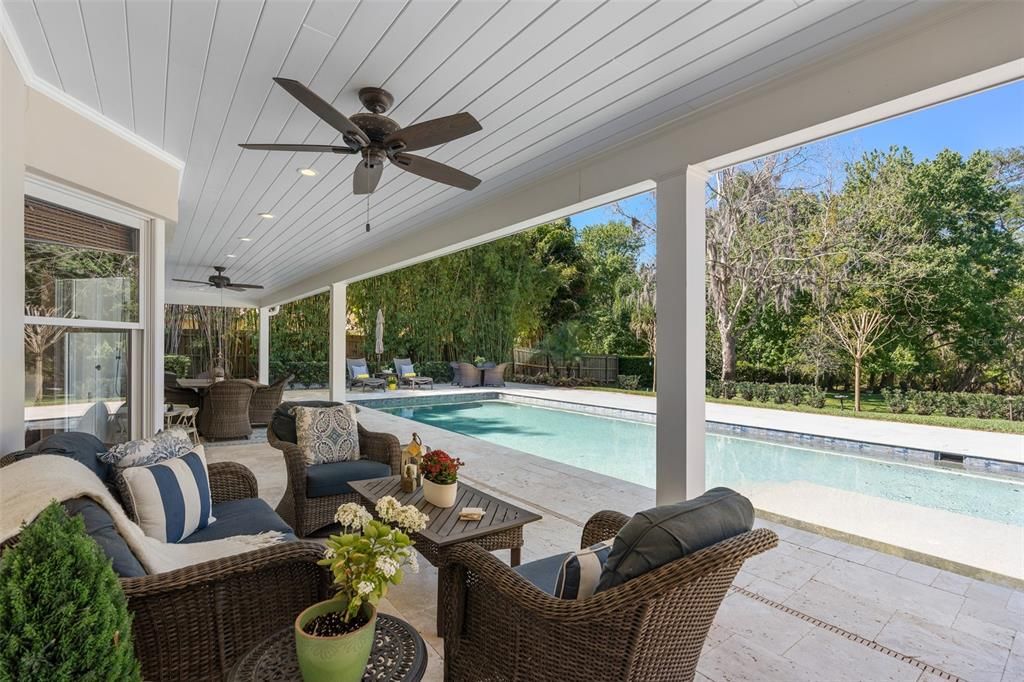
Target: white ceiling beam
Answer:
pixel 946 54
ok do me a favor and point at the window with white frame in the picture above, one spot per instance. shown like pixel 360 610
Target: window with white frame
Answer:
pixel 83 314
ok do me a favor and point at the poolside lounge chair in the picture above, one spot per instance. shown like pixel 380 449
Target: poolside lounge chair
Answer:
pixel 495 376
pixel 414 381
pixel 469 375
pixel 359 375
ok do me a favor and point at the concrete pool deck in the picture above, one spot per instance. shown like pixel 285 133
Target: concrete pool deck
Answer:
pixel 793 612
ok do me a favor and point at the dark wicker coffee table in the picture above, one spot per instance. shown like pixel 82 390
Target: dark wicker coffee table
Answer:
pixel 500 528
pixel 399 655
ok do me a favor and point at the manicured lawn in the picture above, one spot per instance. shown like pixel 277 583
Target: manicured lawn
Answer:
pixel 872 407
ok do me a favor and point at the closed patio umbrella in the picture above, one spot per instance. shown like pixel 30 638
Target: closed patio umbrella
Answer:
pixel 378 332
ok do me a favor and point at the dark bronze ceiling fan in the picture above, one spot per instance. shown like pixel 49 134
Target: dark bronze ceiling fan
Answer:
pixel 221 281
pixel 378 138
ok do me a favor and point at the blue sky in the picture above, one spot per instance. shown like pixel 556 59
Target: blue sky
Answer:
pixel 986 120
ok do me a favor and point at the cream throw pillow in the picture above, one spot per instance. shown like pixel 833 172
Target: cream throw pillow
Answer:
pixel 327 434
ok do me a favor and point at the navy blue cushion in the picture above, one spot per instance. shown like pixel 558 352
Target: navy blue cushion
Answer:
pixel 657 536
pixel 543 573
pixel 100 527
pixel 580 572
pixel 79 446
pixel 333 478
pixel 283 421
pixel 241 517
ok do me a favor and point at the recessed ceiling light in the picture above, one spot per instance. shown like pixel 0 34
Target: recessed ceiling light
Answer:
pixel 308 172
pixel 267 216
pixel 245 239
pixel 231 255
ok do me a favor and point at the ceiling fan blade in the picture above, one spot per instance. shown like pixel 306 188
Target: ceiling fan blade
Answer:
pixel 367 176
pixel 321 148
pixel 324 110
pixel 246 286
pixel 432 170
pixel 434 132
pixel 190 281
pixel 232 287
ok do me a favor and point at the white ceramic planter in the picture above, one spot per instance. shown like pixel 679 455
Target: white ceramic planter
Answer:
pixel 440 495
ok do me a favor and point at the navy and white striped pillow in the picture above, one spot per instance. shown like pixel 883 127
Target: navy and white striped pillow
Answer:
pixel 171 499
pixel 579 573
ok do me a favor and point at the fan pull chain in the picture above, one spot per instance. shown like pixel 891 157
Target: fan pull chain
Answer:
pixel 367 212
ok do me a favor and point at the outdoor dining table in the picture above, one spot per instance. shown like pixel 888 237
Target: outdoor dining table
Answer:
pixel 196 384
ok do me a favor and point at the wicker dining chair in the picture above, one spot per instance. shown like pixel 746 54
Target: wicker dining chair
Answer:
pixel 307 514
pixel 266 399
pixel 469 375
pixel 495 376
pixel 194 623
pixel 498 626
pixel 225 409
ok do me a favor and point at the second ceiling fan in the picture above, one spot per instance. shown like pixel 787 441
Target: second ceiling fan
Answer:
pixel 378 138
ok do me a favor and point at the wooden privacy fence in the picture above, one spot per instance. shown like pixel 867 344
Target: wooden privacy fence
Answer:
pixel 603 369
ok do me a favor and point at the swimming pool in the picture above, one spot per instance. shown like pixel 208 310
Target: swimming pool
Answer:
pixel 625 449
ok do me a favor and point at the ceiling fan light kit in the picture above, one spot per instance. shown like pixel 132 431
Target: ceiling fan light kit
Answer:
pixel 379 139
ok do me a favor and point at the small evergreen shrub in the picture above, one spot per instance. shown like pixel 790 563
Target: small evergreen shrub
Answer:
pixel 985 405
pixel 745 390
pixel 713 388
pixel 896 399
pixel 795 394
pixel 728 390
pixel 63 615
pixel 922 402
pixel 630 382
pixel 761 392
pixel 816 398
pixel 440 372
pixel 779 393
pixel 640 365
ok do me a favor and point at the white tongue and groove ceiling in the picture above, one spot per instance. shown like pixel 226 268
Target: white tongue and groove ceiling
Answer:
pixel 551 82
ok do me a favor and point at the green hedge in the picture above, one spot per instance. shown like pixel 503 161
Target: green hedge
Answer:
pixel 779 394
pixel 638 365
pixel 978 405
pixel 546 379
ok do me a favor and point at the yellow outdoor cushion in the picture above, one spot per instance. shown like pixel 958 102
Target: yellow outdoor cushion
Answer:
pixel 409 374
pixel 362 376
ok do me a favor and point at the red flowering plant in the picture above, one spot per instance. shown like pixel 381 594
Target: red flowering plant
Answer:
pixel 440 467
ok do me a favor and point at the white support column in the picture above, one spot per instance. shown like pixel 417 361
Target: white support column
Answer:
pixel 680 310
pixel 339 323
pixel 264 350
pixel 152 402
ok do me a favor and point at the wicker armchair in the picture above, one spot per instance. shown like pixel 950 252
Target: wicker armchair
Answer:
pixel 495 376
pixel 176 394
pixel 498 626
pixel 225 410
pixel 469 375
pixel 266 399
pixel 195 622
pixel 308 514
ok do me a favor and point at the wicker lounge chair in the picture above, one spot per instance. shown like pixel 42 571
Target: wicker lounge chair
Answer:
pixel 266 399
pixel 469 375
pixel 495 376
pixel 194 623
pixel 355 380
pixel 415 382
pixel 225 409
pixel 499 626
pixel 307 504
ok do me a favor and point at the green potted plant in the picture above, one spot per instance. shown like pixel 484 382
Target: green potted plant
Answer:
pixel 333 638
pixel 440 477
pixel 63 615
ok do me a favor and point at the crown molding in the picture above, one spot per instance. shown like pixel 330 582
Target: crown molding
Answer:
pixel 32 80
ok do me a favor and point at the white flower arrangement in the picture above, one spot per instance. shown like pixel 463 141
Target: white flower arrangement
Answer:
pixel 369 555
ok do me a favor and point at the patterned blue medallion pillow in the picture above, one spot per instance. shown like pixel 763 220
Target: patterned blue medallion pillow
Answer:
pixel 169 444
pixel 327 434
pixel 170 500
pixel 579 573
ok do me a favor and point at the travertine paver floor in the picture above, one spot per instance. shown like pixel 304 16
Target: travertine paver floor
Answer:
pixel 812 609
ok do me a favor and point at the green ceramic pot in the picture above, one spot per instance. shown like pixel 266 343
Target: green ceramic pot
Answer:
pixel 334 659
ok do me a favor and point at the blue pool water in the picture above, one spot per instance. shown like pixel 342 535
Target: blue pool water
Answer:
pixel 625 449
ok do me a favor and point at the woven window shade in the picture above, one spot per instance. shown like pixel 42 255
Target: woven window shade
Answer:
pixel 48 222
